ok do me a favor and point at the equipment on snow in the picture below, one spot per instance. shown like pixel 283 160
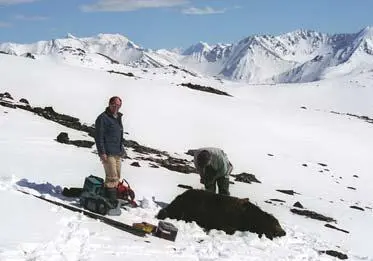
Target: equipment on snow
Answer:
pixel 105 201
pixel 166 230
pixel 111 222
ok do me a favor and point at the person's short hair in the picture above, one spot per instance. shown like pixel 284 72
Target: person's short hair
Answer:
pixel 112 99
pixel 203 158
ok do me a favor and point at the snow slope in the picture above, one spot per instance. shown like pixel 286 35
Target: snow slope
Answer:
pixel 268 130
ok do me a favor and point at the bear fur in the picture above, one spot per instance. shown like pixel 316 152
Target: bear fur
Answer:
pixel 227 213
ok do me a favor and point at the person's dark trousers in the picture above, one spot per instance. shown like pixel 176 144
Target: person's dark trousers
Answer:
pixel 223 186
pixel 211 187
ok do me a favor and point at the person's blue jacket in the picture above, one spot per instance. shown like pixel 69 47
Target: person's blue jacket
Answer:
pixel 109 134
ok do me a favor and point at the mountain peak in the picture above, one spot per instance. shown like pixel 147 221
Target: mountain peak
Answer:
pixel 70 36
pixel 199 47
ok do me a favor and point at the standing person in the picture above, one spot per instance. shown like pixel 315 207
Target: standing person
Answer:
pixel 213 166
pixel 110 145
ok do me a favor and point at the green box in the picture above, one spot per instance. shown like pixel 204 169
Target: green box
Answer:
pixel 94 185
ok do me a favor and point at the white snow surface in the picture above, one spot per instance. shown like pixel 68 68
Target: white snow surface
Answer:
pixel 268 130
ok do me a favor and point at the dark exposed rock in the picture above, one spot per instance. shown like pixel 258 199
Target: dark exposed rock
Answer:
pixel 322 164
pixel 303 107
pixel 142 149
pixel 204 89
pixel 312 214
pixel 245 177
pixel 277 200
pixel 109 58
pixel 358 208
pixel 153 166
pixel 335 254
pixel 8 104
pixel 355 176
pixel 164 160
pixel 122 73
pixel 82 143
pixel 351 188
pixel 214 211
pixel 63 137
pixel 334 227
pixel 184 186
pixel 7 95
pixel 184 70
pixel 30 55
pixel 304 165
pixel 287 191
pixel 298 205
pixel 269 154
pixel 173 164
pixel 135 164
pixel 23 100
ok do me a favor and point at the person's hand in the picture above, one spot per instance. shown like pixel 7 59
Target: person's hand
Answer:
pixel 103 157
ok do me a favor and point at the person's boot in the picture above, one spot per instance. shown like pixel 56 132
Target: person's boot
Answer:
pixel 111 195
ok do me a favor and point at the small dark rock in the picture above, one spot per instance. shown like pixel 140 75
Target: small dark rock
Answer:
pixel 23 100
pixel 322 164
pixel 312 214
pixel 356 207
pixel 184 186
pixel 269 154
pixel 351 188
pixel 30 55
pixel 335 254
pixel 135 164
pixel 277 200
pixel 7 96
pixel 63 137
pixel 298 205
pixel 289 192
pixel 82 143
pixel 303 107
pixel 355 176
pixel 245 177
pixel 304 165
pixel 334 227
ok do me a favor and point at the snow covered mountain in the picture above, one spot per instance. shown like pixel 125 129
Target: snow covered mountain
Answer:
pixel 299 56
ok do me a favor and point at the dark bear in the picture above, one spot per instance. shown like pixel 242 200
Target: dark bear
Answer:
pixel 214 211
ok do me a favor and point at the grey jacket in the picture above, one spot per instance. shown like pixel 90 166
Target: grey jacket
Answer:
pixel 109 134
pixel 219 163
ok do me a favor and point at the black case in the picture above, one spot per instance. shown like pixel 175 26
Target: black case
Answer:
pixel 166 230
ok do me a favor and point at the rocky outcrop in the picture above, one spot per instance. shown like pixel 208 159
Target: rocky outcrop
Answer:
pixel 204 89
pixel 63 137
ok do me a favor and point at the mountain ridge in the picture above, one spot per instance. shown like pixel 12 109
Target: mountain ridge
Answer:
pixel 298 56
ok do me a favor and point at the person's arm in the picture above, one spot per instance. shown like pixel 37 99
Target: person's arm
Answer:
pixel 99 137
